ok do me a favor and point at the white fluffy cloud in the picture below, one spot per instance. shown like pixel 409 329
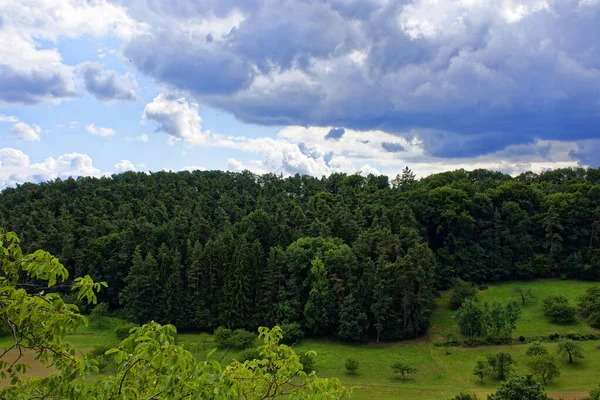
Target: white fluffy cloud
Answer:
pixel 26 132
pixel 142 138
pixel 192 168
pixel 8 118
pixel 31 73
pixel 124 165
pixel 28 74
pixel 99 131
pixel 321 151
pixel 178 118
pixel 16 167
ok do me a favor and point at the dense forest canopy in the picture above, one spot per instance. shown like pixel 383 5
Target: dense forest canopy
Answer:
pixel 342 255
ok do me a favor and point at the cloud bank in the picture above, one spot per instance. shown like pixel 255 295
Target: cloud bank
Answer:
pixel 16 167
pixel 470 77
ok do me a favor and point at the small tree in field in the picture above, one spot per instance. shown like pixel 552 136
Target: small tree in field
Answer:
pixel 482 368
pixel 544 367
pixel 351 366
pixel 501 363
pixel 519 387
pixel 524 294
pixel 403 368
pixel 568 346
pixel 536 349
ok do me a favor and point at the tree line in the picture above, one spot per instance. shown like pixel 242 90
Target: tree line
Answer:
pixel 342 255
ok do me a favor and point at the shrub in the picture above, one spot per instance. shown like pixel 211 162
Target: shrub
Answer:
pixel 574 336
pixel 292 333
pixel 465 396
pixel 558 309
pixel 122 331
pixel 242 339
pixel 519 387
pixel 594 394
pixel 351 366
pixel 462 291
pixel 249 354
pixel 222 336
pixel 308 362
pixel 238 339
pixel 99 316
pixel 594 320
pixel 590 301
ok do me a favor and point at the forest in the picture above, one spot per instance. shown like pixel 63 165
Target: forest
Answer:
pixel 359 258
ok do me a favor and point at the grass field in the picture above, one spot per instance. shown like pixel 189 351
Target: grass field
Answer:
pixel 439 376
pixel 532 321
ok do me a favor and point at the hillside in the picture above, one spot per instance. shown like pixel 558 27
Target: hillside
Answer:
pixel 205 249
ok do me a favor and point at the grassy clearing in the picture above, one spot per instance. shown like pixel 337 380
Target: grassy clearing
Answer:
pixel 439 376
pixel 532 321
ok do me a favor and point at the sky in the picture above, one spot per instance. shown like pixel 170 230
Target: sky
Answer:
pixel 96 87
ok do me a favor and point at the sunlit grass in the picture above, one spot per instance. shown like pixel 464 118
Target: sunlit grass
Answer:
pixel 532 321
pixel 440 376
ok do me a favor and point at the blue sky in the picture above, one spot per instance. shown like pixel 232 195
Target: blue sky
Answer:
pixel 287 86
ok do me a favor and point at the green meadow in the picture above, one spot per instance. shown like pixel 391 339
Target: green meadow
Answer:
pixel 442 372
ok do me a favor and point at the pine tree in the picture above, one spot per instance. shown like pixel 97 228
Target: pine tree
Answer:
pixel 271 285
pixel 176 294
pixel 236 300
pixel 352 319
pixel 381 308
pixel 407 180
pixel 143 289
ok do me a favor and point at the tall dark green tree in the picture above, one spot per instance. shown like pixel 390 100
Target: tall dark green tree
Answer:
pixel 143 294
pixel 353 319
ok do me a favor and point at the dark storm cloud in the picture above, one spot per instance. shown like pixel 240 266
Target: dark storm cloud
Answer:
pixel 490 74
pixel 392 147
pixel 32 86
pixel 335 133
pixel 107 85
